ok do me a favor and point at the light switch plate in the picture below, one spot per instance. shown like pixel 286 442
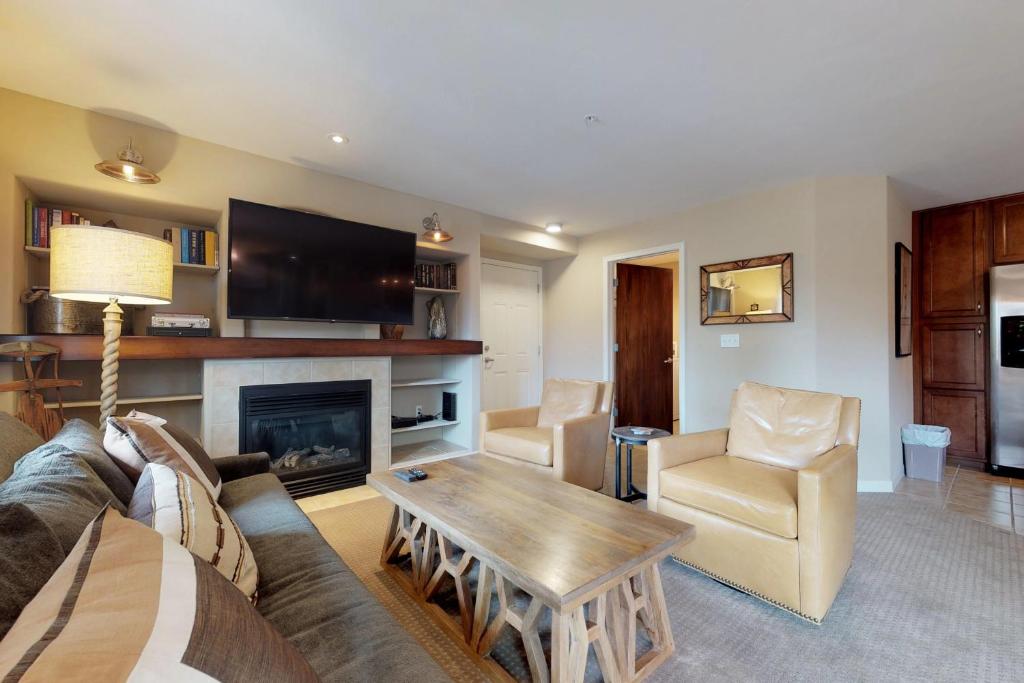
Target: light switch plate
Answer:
pixel 730 341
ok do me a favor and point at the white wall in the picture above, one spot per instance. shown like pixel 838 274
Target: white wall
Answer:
pixel 901 370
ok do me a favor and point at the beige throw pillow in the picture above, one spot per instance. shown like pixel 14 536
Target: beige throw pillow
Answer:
pixel 566 399
pixel 179 508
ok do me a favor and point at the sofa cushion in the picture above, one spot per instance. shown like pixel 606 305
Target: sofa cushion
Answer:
pixel 128 604
pixel 61 488
pixel 29 554
pixel 87 441
pixel 782 427
pixel 311 596
pixel 530 444
pixel 565 399
pixel 16 439
pixel 744 491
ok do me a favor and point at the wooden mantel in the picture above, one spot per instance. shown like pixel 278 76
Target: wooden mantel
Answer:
pixel 90 347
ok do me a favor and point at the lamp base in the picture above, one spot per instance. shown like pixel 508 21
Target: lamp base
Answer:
pixel 112 318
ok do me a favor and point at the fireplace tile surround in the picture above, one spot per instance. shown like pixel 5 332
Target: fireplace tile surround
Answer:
pixel 223 378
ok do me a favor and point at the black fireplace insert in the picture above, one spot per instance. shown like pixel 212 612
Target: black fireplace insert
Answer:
pixel 317 433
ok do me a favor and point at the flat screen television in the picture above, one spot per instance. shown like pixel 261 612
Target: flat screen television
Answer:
pixel 291 265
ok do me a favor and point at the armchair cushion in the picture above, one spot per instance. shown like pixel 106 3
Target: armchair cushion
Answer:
pixel 782 427
pixel 566 399
pixel 529 444
pixel 744 491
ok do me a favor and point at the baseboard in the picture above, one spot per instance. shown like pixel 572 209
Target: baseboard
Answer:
pixel 879 486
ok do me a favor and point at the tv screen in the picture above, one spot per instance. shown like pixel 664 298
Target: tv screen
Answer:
pixel 290 265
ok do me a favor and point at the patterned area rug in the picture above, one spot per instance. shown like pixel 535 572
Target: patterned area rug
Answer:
pixel 932 596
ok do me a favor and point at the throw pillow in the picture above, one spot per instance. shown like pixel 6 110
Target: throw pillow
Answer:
pixel 182 510
pixel 29 554
pixel 16 439
pixel 87 441
pixel 128 603
pixel 139 438
pixel 566 399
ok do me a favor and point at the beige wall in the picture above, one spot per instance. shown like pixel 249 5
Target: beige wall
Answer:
pixel 901 370
pixel 838 231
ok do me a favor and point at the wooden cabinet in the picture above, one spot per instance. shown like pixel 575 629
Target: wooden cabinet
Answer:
pixel 954 258
pixel 953 355
pixel 1008 230
pixel 965 414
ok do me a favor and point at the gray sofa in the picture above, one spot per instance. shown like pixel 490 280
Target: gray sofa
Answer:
pixel 306 591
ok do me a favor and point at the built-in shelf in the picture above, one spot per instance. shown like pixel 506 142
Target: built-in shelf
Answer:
pixel 435 290
pixel 175 398
pixel 44 253
pixel 433 424
pixel 429 382
pixel 424 452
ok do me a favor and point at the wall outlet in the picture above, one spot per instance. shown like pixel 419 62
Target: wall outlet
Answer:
pixel 419 411
pixel 730 341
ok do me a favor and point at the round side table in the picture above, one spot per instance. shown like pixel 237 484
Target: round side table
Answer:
pixel 626 435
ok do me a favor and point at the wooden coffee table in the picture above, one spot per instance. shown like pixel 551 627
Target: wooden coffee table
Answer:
pixel 589 559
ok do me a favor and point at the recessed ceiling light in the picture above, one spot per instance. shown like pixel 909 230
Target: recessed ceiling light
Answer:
pixel 338 138
pixel 553 227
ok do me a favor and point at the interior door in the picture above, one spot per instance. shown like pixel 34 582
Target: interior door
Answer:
pixel 510 325
pixel 643 333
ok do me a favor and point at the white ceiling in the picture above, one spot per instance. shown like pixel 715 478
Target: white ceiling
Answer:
pixel 482 103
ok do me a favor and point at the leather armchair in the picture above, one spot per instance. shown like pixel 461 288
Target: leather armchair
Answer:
pixel 566 436
pixel 773 497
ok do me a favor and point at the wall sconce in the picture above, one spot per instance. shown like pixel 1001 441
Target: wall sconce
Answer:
pixel 128 167
pixel 432 230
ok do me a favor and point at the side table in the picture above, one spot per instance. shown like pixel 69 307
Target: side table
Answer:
pixel 626 435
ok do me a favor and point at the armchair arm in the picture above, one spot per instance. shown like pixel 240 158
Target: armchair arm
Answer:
pixel 242 465
pixel 826 514
pixel 580 450
pixel 510 417
pixel 671 451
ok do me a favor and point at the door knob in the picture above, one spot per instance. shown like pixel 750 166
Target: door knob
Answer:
pixel 670 359
pixel 488 359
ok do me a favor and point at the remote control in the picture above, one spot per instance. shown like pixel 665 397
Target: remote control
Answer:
pixel 405 476
pixel 418 473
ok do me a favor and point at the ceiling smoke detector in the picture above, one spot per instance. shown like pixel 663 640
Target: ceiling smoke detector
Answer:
pixel 591 120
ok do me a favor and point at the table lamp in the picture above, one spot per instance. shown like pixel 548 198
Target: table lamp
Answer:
pixel 109 265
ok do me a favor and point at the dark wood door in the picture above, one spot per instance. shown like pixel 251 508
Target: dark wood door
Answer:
pixel 954 355
pixel 1008 230
pixel 643 332
pixel 964 413
pixel 953 261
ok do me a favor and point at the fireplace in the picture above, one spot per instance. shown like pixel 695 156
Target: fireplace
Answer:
pixel 317 433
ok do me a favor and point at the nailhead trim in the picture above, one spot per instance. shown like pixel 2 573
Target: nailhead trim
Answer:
pixel 748 591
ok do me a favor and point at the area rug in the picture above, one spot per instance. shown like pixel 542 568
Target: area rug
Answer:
pixel 932 596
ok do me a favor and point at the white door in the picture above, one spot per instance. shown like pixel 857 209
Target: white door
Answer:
pixel 510 321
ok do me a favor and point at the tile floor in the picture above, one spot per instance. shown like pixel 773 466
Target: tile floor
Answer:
pixel 998 501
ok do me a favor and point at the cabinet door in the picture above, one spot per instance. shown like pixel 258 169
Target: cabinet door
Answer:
pixel 953 356
pixel 1008 230
pixel 964 413
pixel 953 262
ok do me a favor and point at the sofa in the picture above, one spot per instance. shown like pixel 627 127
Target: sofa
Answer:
pixel 306 591
pixel 773 497
pixel 565 437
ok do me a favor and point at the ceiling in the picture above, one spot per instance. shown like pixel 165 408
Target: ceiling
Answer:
pixel 482 103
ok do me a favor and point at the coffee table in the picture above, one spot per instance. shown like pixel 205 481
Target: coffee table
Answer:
pixel 590 560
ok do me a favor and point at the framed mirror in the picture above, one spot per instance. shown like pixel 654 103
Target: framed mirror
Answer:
pixel 756 290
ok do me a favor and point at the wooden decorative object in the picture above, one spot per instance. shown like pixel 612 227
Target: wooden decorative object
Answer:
pixel 392 332
pixel 31 406
pixel 786 285
pixel 904 299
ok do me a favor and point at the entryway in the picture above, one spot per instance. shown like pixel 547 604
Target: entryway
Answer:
pixel 644 336
pixel 510 324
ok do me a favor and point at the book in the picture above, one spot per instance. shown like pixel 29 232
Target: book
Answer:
pixel 183 236
pixel 211 248
pixel 201 247
pixel 193 247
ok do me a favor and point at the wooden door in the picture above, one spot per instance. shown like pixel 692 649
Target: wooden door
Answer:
pixel 953 254
pixel 643 332
pixel 1008 230
pixel 954 355
pixel 510 327
pixel 964 413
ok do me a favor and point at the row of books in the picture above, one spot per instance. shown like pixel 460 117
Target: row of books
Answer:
pixel 39 220
pixel 194 245
pixel 436 275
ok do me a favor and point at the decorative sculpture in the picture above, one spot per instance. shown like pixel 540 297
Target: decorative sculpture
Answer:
pixel 437 328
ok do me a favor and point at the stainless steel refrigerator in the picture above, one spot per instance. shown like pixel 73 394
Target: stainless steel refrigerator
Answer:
pixel 1006 316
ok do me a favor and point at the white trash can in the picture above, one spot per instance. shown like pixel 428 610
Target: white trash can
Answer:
pixel 924 451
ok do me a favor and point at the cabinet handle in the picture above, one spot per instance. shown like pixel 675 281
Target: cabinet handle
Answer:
pixel 979 331
pixel 979 308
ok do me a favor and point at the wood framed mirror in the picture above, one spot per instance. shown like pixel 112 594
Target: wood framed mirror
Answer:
pixel 756 290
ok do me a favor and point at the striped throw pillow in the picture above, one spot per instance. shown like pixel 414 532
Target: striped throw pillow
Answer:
pixel 139 438
pixel 182 510
pixel 129 604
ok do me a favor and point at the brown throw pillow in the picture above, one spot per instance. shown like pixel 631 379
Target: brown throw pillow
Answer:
pixel 138 438
pixel 129 604
pixel 29 554
pixel 182 510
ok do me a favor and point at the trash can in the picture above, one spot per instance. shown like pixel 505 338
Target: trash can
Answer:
pixel 924 451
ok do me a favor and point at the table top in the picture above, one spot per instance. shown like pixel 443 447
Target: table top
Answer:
pixel 626 434
pixel 557 541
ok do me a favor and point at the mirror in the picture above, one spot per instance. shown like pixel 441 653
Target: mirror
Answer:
pixel 757 290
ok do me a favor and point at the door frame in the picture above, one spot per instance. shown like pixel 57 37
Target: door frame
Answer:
pixel 608 317
pixel 540 316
